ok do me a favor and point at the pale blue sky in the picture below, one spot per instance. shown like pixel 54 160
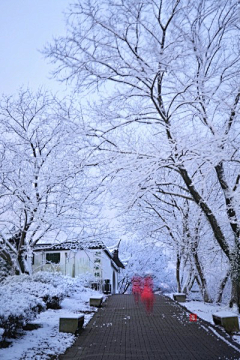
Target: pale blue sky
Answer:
pixel 25 26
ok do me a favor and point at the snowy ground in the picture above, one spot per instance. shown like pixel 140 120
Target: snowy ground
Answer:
pixel 205 311
pixel 46 341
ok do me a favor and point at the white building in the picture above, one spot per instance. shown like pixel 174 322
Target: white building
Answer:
pixel 73 259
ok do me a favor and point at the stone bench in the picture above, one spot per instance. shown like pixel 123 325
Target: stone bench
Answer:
pixel 228 321
pixel 96 301
pixel 179 297
pixel 71 324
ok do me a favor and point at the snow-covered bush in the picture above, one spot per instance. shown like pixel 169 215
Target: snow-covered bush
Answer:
pixel 54 287
pixel 86 279
pixel 22 297
pixel 56 279
pixel 17 307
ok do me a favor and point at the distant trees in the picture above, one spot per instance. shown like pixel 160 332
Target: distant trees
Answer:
pixel 41 167
pixel 171 225
pixel 142 258
pixel 167 120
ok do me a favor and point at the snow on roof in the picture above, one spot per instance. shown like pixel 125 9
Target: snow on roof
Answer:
pixel 115 246
pixel 71 245
pixel 78 245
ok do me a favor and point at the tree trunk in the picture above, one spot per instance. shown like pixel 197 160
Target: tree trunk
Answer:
pixel 189 284
pixel 21 262
pixel 201 277
pixel 6 257
pixel 233 221
pixel 178 273
pixel 18 270
pixel 235 278
pixel 202 281
pixel 222 286
pixel 126 287
pixel 207 211
pixel 29 263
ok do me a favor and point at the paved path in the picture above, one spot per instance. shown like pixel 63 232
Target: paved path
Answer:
pixel 122 330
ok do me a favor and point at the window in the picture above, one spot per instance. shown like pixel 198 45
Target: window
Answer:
pixel 53 258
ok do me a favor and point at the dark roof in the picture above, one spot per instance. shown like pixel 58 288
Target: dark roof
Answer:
pixel 117 260
pixel 71 245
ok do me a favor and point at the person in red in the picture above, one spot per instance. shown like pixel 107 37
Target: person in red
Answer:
pixel 136 288
pixel 147 295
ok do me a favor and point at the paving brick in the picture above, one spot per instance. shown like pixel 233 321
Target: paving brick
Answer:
pixel 124 331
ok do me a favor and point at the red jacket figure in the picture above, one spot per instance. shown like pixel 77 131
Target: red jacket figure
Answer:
pixel 147 293
pixel 136 288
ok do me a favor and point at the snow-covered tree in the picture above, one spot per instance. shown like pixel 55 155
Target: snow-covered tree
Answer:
pixel 141 258
pixel 167 73
pixel 42 179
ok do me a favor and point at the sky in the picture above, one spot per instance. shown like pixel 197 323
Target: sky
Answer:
pixel 25 27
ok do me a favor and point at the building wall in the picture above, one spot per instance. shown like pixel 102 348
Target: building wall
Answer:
pixel 71 263
pixel 110 273
pixel 95 262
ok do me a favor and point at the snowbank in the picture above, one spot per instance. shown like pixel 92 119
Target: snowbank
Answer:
pixel 18 294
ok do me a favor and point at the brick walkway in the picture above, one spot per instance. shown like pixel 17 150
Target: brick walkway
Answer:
pixel 121 330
